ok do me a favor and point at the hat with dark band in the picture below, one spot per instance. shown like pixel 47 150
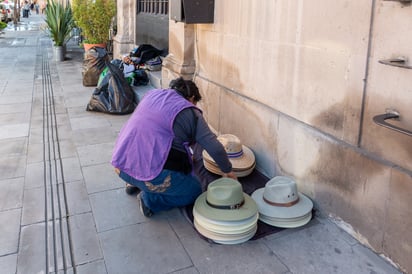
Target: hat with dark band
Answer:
pixel 225 214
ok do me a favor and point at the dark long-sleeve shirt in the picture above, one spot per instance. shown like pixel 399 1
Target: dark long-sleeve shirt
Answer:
pixel 191 126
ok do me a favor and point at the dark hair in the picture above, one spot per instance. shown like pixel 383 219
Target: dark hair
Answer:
pixel 186 88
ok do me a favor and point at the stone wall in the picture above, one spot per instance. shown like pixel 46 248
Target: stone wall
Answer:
pixel 299 83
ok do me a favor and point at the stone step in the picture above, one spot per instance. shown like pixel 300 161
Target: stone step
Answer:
pixel 155 78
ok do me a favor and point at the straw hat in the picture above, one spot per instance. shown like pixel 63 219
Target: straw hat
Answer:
pixel 225 200
pixel 241 157
pixel 280 204
pixel 225 214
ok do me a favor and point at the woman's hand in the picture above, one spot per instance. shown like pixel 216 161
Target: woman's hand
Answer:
pixel 231 175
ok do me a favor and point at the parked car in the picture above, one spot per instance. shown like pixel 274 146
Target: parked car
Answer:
pixel 7 12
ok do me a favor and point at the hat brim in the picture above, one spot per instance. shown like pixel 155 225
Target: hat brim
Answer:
pixel 225 227
pixel 212 167
pixel 247 210
pixel 243 162
pixel 302 208
pixel 225 238
pixel 286 223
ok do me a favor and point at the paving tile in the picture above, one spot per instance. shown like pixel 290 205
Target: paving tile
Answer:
pixel 190 270
pixel 134 248
pixel 71 169
pixel 249 257
pixel 14 131
pixel 62 118
pixel 8 264
pixel 15 99
pixel 65 132
pixel 321 249
pixel 14 118
pixel 9 231
pixel 36 135
pixel 95 154
pixel 13 147
pixel 78 112
pixel 15 108
pixel 11 193
pixel 32 257
pixel 88 122
pixel 80 100
pixel 77 198
pixel 97 267
pixel 35 175
pixel 35 153
pixel 94 136
pixel 86 245
pixel 67 149
pixel 101 177
pixel 12 167
pixel 114 209
pixel 34 206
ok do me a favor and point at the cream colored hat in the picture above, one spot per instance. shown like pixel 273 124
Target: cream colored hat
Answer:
pixel 280 204
pixel 241 157
pixel 225 200
pixel 225 214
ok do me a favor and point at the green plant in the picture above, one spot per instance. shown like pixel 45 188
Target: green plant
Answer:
pixel 93 17
pixel 59 20
pixel 2 25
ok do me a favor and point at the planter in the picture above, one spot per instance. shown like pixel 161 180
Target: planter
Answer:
pixel 59 52
pixel 89 46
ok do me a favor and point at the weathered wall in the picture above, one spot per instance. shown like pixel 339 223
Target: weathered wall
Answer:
pixel 299 83
pixel 124 40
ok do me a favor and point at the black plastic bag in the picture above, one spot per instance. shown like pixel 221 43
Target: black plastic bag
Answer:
pixel 93 64
pixel 145 52
pixel 114 95
pixel 140 78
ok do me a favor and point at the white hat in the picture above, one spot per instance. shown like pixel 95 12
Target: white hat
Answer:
pixel 225 200
pixel 225 214
pixel 280 204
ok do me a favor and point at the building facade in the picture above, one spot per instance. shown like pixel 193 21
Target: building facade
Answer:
pixel 306 85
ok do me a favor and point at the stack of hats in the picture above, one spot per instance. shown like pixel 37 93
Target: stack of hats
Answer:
pixel 241 157
pixel 281 205
pixel 225 214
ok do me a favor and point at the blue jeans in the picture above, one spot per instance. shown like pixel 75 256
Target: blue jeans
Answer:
pixel 168 190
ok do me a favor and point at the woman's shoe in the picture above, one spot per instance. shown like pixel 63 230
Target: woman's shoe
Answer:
pixel 143 208
pixel 131 189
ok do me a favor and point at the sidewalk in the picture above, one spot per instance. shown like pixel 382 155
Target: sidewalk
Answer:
pixel 54 166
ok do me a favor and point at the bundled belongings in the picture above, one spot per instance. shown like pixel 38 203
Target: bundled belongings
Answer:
pixel 114 95
pixel 241 157
pixel 144 53
pixel 134 76
pixel 93 64
pixel 281 205
pixel 225 214
pixel 154 64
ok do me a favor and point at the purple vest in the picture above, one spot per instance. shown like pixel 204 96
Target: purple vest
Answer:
pixel 145 140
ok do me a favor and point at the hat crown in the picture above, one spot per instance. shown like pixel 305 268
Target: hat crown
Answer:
pixel 224 192
pixel 281 190
pixel 231 143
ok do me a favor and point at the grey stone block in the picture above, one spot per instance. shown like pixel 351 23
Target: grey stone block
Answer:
pixel 9 231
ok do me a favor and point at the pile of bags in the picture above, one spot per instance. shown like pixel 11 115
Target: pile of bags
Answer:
pixel 114 79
